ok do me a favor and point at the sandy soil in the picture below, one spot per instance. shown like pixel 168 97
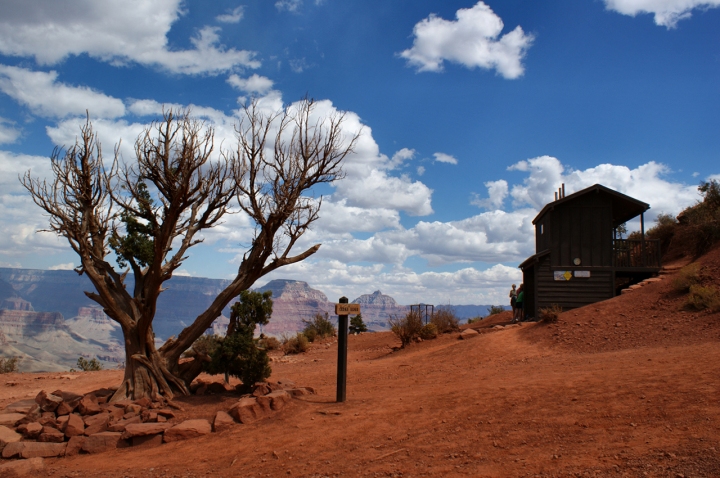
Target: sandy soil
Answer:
pixel 626 387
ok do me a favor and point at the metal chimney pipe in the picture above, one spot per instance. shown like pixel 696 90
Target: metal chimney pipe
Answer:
pixel 563 189
pixel 556 198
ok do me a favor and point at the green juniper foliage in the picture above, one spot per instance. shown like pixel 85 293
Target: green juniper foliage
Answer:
pixel 138 243
pixel 237 353
pixel 357 325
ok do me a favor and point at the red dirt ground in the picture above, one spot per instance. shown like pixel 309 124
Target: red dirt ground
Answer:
pixel 626 387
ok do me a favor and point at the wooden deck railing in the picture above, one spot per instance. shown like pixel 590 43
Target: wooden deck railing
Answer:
pixel 636 253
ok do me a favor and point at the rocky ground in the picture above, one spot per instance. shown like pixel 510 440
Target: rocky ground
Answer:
pixel 626 387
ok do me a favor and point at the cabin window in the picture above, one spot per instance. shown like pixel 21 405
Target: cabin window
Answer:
pixel 541 229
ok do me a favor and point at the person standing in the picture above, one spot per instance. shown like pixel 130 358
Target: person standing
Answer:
pixel 513 299
pixel 519 305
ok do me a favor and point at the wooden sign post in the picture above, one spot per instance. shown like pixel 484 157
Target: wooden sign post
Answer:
pixel 342 310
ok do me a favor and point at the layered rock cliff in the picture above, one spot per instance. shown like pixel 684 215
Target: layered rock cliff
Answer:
pixel 377 308
pixel 293 302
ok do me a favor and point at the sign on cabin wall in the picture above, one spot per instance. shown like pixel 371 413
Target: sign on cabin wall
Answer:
pixel 567 275
pixel 562 275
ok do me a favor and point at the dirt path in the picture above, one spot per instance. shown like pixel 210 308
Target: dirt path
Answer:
pixel 626 387
pixel 495 405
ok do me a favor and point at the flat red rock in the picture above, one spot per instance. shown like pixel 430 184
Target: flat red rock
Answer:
pixel 187 429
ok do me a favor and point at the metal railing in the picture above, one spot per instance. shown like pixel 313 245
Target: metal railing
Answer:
pixel 636 253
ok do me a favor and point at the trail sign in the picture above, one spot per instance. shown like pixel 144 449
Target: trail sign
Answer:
pixel 347 309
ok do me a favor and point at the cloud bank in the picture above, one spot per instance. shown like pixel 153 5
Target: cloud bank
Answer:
pixel 115 31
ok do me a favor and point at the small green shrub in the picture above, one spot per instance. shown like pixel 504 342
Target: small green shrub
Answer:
pixel 495 309
pixel 445 321
pixel 8 365
pixel 91 365
pixel 703 297
pixel 295 344
pixel 406 328
pixel 686 277
pixel 550 314
pixel 357 325
pixel 428 332
pixel 238 355
pixel 319 327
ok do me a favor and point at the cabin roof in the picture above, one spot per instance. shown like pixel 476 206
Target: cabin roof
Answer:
pixel 624 207
pixel 533 259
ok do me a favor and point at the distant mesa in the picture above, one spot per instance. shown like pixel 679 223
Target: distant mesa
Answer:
pixel 285 289
pixel 17 303
pixel 293 302
pixel 376 298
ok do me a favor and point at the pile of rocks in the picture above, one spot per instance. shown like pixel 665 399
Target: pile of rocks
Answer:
pixel 64 423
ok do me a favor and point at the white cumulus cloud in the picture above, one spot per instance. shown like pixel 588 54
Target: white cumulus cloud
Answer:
pixel 472 40
pixel 8 131
pixel 45 96
pixel 117 31
pixel 445 158
pixel 666 12
pixel 646 183
pixel 254 84
pixel 497 192
pixel 400 157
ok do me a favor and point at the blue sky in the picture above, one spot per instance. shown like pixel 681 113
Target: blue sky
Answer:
pixel 473 113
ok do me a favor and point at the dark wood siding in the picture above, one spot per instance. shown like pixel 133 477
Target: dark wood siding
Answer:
pixel 573 293
pixel 582 229
pixel 542 234
pixel 530 288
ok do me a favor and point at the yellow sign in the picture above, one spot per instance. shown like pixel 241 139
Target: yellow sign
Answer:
pixel 567 275
pixel 347 309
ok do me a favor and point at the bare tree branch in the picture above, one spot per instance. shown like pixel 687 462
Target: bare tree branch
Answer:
pixel 151 211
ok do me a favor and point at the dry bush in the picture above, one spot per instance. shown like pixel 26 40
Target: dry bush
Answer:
pixel 686 277
pixel 406 328
pixel 703 297
pixel 295 344
pixel 445 321
pixel 269 343
pixel 92 365
pixel 8 365
pixel 319 327
pixel 203 345
pixel 428 332
pixel 699 225
pixel 495 309
pixel 550 314
pixel 664 229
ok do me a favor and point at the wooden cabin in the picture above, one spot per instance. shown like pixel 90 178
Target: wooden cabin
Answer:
pixel 580 259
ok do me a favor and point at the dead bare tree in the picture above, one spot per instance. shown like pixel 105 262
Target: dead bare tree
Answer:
pixel 151 211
